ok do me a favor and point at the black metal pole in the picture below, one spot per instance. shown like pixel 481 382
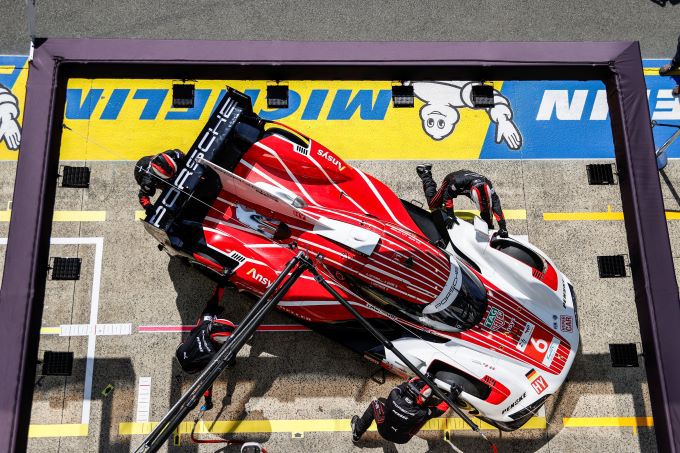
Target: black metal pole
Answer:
pixel 388 344
pixel 227 352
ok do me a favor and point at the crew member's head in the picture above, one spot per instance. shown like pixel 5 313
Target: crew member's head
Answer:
pixel 163 166
pixel 419 391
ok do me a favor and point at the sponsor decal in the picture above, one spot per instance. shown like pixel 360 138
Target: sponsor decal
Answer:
pixel 566 323
pixel 544 119
pixel 515 403
pixel 448 294
pixel 531 374
pixel 252 273
pixel 525 337
pixel 550 353
pixel 495 319
pixel 331 158
pixel 488 380
pixel 539 384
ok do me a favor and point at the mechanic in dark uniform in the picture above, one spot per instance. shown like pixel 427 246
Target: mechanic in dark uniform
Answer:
pixel 463 182
pixel 666 69
pixel 406 410
pixel 198 349
pixel 152 171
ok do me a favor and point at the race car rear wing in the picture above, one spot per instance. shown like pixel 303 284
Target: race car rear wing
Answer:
pixel 228 133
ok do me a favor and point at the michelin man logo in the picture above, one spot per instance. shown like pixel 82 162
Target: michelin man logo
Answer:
pixel 10 131
pixel 443 99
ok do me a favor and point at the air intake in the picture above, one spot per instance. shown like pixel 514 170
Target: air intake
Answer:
pixel 57 363
pixel 600 174
pixel 77 177
pixel 66 268
pixel 624 355
pixel 611 266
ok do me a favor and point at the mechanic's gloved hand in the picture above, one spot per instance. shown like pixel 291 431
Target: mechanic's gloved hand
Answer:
pixel 502 229
pixel 450 218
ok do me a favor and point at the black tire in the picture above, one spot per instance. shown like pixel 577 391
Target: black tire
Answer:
pixel 471 386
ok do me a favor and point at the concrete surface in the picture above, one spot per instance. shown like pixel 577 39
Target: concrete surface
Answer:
pixel 512 20
pixel 302 375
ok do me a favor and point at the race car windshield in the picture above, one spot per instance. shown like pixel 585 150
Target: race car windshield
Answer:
pixel 466 310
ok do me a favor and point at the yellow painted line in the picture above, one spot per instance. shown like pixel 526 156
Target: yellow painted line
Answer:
pixel 79 216
pixel 510 214
pixel 139 215
pixel 299 426
pixel 567 216
pixel 598 422
pixel 655 71
pixel 58 430
pixel 67 216
pixel 6 69
pixel 604 215
pixel 50 330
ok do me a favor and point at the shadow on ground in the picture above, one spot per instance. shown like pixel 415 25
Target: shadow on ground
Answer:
pixel 270 358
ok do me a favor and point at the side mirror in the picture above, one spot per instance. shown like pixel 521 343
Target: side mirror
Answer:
pixel 481 226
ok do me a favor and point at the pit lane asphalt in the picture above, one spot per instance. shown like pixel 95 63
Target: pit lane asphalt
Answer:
pixel 655 26
pixel 302 375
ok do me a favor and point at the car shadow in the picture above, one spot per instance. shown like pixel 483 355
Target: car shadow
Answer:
pixel 663 3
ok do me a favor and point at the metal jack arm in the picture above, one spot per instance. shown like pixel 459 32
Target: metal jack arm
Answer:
pixel 244 332
pixel 226 354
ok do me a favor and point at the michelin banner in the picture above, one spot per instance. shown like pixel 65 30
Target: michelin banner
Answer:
pixel 107 119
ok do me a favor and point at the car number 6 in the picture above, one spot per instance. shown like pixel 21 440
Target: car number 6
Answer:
pixel 539 344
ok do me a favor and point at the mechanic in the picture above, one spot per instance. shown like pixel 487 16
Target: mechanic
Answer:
pixel 463 182
pixel 152 171
pixel 673 65
pixel 198 349
pixel 406 410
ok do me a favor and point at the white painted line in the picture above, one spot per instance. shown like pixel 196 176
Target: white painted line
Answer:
pixel 82 330
pixel 143 399
pixel 74 330
pixel 92 339
pixel 98 242
pixel 113 329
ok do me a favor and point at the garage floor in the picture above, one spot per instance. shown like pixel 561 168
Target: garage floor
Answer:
pixel 296 390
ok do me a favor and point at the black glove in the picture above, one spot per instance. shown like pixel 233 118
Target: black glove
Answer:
pixel 450 218
pixel 502 230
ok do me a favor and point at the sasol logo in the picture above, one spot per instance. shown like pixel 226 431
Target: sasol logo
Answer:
pixel 331 158
pixel 252 273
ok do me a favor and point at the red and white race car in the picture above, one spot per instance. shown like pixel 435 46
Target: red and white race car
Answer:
pixel 493 315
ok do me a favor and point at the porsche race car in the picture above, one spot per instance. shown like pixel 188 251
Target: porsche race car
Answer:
pixel 493 315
